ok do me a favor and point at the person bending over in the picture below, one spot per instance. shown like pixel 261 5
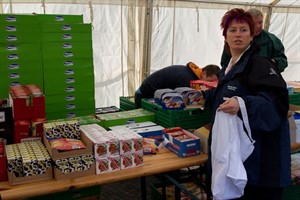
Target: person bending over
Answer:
pixel 172 77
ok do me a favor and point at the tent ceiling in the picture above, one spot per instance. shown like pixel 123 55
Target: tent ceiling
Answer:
pixel 265 2
pixel 276 3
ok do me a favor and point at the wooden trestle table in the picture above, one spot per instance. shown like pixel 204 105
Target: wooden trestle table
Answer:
pixel 163 161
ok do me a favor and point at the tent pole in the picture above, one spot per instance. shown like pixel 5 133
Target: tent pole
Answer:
pixel 10 6
pixel 147 60
pixel 269 14
pixel 131 65
pixel 1 6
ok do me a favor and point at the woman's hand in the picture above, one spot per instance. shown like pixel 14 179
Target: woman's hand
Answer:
pixel 230 106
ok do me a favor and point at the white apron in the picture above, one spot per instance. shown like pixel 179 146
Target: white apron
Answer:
pixel 230 147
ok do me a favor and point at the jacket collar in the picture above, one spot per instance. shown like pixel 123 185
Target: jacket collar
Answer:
pixel 241 63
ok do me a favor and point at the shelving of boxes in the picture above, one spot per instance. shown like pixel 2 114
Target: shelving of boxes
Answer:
pixel 20 52
pixel 53 52
pixel 68 69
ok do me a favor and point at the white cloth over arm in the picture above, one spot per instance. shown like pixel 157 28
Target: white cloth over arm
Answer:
pixel 230 147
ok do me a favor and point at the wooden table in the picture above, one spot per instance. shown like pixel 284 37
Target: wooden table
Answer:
pixel 164 161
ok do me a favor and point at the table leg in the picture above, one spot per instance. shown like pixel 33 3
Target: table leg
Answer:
pixel 177 193
pixel 143 188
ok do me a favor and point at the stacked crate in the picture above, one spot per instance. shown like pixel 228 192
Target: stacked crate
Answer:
pixel 53 52
pixel 192 118
pixel 127 103
pixel 20 52
pixel 68 69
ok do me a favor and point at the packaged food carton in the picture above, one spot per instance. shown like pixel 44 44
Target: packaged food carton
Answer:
pixel 181 142
pixel 74 167
pixel 57 154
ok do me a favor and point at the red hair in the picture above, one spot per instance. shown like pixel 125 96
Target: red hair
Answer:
pixel 239 15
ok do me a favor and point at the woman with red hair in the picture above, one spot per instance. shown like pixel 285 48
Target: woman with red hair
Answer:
pixel 257 81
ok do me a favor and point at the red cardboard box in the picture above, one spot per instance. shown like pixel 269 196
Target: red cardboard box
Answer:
pixel 201 84
pixel 27 102
pixel 38 107
pixel 20 107
pixel 21 130
pixel 28 107
pixel 26 130
pixel 3 170
pixel 37 127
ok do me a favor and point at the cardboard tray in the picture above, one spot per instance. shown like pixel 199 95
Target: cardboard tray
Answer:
pixel 58 175
pixel 13 180
pixel 55 154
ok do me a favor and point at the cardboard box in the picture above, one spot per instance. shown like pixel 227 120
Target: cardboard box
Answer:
pixel 71 37
pixel 28 162
pixel 13 180
pixel 21 130
pixel 126 161
pixel 106 148
pixel 203 134
pixel 145 129
pixel 56 154
pixel 125 117
pixel 102 165
pixel 26 130
pixel 114 163
pixel 182 142
pixel 58 175
pixel 19 18
pixel 133 125
pixel 66 18
pixel 3 170
pixel 29 107
pixel 154 132
pixel 66 114
pixel 74 167
pixel 138 159
pixel 66 27
pixel 105 145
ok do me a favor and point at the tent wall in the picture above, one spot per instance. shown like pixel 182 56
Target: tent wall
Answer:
pixel 133 38
pixel 117 29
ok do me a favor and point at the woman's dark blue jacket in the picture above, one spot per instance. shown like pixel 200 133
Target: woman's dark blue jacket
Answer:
pixel 258 82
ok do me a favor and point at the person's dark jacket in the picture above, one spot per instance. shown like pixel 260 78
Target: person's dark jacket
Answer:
pixel 270 46
pixel 258 82
pixel 169 77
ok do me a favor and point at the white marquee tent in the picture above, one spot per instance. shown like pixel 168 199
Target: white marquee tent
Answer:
pixel 133 38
